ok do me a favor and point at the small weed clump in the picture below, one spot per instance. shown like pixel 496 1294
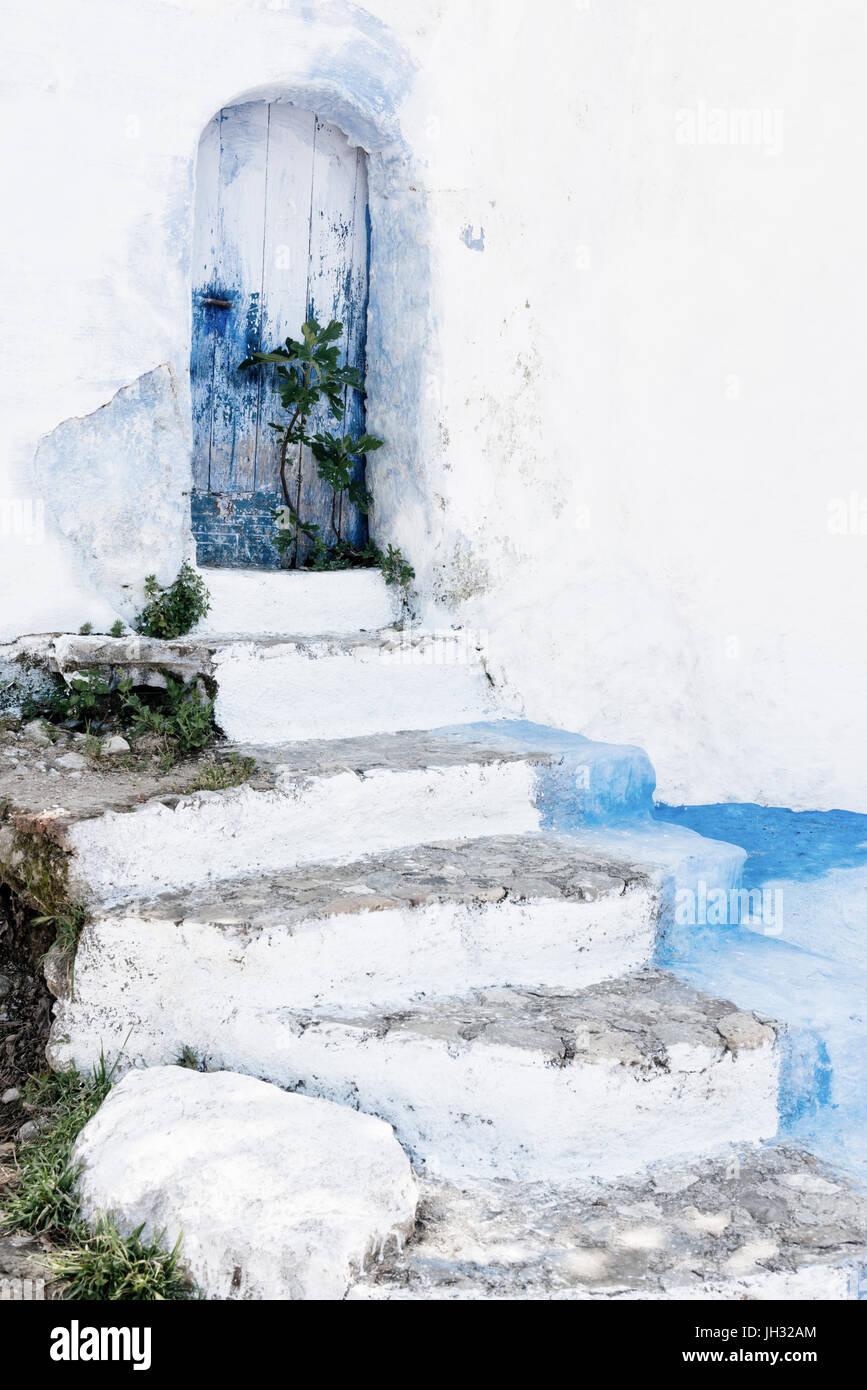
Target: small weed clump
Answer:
pixel 172 611
pixel 190 1059
pixel 177 720
pixel 214 775
pixel 117 629
pixel 68 925
pixel 94 1264
pixel 395 569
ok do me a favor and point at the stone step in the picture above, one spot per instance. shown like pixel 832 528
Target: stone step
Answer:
pixel 129 834
pixel 379 934
pixel 274 689
pixel 510 1083
pixel 340 687
pixel 766 1223
pixel 272 603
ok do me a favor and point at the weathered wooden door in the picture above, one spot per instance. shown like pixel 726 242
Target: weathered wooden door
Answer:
pixel 281 234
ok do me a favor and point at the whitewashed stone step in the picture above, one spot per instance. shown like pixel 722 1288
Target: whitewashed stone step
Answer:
pixel 523 1085
pixel 340 687
pixel 274 689
pixel 765 1223
pixel 324 800
pixel 518 1084
pixel 268 603
pixel 382 933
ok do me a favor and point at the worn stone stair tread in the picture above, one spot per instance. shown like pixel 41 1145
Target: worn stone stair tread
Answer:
pixel 40 800
pixel 545 1084
pixel 756 1223
pixel 65 652
pixel 31 795
pixel 639 1021
pixel 487 869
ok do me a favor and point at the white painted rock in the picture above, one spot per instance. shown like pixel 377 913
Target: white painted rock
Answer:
pixel 74 762
pixel 114 745
pixel 35 732
pixel 276 1196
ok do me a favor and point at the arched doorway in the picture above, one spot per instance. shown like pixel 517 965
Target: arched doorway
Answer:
pixel 281 234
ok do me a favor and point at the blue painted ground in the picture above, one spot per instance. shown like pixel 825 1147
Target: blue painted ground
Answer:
pixel 805 965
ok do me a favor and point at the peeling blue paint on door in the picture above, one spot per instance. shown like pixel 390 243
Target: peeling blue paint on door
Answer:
pixel 282 232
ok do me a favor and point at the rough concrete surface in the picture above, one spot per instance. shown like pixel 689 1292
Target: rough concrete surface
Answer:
pixel 754 1223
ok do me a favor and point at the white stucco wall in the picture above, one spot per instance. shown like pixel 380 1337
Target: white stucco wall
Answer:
pixel 617 419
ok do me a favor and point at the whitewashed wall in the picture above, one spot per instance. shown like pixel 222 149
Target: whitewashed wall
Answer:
pixel 635 326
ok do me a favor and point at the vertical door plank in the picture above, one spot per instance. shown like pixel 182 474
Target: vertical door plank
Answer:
pixel 331 249
pixel 238 273
pixel 353 523
pixel 205 239
pixel 287 254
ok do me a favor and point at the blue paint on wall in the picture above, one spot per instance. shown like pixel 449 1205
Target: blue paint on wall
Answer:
pixel 475 243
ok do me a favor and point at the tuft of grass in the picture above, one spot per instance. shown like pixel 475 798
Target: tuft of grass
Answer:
pixel 106 1266
pixel 189 1058
pixel 97 1264
pixel 44 1198
pixel 117 628
pixel 68 925
pixel 214 776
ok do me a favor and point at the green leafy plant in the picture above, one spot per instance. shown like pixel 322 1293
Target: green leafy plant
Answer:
pixel 93 699
pixel 89 701
pixel 308 373
pixel 178 720
pixel 395 568
pixel 182 722
pixel 172 611
pixel 117 628
pixel 85 630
